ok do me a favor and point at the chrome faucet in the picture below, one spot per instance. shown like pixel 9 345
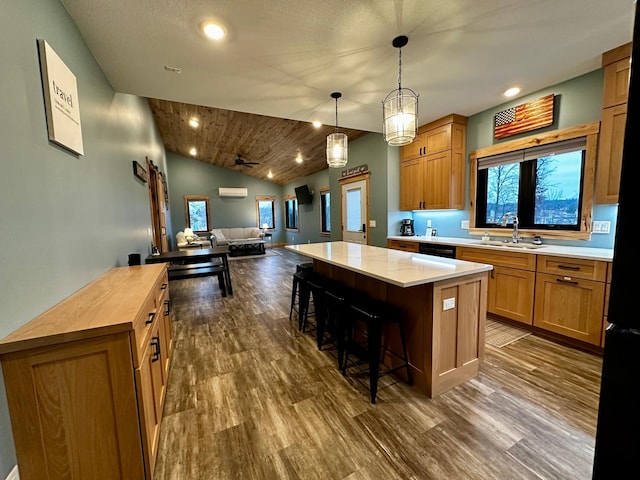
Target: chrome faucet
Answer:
pixel 505 219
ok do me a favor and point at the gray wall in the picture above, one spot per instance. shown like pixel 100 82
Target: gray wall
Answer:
pixel 309 214
pixel 188 176
pixel 372 151
pixel 65 219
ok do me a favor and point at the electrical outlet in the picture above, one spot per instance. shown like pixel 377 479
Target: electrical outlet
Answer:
pixel 428 223
pixel 149 232
pixel 464 224
pixel 372 223
pixel 449 303
pixel 601 227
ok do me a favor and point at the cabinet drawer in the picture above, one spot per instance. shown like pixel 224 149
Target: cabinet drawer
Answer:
pixel 160 289
pixel 522 260
pixel 573 267
pixel 405 246
pixel 569 306
pixel 143 325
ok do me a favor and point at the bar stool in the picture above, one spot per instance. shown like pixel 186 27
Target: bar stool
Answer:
pixel 317 286
pixel 375 314
pixel 300 293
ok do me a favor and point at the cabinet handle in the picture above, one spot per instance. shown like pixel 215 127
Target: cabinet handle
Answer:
pixel 149 320
pixel 164 286
pixel 569 267
pixel 493 273
pixel 565 280
pixel 155 343
pixel 168 310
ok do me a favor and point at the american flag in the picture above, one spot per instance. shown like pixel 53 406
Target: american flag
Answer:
pixel 524 117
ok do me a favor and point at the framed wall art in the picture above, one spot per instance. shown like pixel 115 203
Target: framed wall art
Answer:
pixel 139 171
pixel 61 102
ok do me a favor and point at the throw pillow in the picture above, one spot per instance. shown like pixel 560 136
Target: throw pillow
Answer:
pixel 216 232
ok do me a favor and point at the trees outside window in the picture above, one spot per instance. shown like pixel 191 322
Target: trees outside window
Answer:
pixel 266 211
pixel 291 212
pixel 197 213
pixel 325 211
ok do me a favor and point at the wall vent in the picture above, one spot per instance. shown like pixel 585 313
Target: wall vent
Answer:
pixel 232 192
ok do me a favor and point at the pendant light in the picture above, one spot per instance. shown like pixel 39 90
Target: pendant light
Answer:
pixel 400 107
pixel 337 142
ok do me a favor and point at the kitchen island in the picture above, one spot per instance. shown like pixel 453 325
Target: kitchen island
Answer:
pixel 442 300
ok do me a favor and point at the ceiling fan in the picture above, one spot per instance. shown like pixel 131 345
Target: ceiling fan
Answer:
pixel 243 163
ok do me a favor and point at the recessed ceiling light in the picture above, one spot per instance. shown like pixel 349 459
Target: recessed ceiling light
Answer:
pixel 193 151
pixel 194 122
pixel 317 124
pixel 299 158
pixel 270 175
pixel 213 31
pixel 512 92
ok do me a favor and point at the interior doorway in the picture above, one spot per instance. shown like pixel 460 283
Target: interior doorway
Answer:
pixel 158 206
pixel 354 201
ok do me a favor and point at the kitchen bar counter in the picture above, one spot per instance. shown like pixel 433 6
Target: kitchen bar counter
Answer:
pixel 391 266
pixel 587 253
pixel 443 303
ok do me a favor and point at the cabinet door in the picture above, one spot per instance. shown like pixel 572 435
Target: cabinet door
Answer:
pixel 616 83
pixel 511 293
pixel 612 129
pixel 150 388
pixel 437 180
pixel 438 139
pixel 569 306
pixel 411 185
pixel 414 150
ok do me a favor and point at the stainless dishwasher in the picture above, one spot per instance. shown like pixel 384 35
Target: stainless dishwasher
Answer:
pixel 437 249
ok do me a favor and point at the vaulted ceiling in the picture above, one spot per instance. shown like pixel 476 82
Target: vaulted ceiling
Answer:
pixel 281 60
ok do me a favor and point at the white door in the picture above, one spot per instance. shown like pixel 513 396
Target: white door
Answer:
pixel 354 212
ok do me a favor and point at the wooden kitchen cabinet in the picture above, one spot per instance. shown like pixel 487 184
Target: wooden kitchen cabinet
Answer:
pixel 86 380
pixel 616 64
pixel 569 297
pixel 511 287
pixel 404 246
pixel 607 294
pixel 432 170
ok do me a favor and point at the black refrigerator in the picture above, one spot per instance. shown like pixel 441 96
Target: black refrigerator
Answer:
pixel 617 449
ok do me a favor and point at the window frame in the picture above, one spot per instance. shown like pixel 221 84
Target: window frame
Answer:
pixel 590 131
pixel 323 192
pixel 296 227
pixel 272 199
pixel 187 219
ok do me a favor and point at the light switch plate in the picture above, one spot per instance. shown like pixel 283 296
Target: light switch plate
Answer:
pixel 464 224
pixel 449 303
pixel 601 226
pixel 372 223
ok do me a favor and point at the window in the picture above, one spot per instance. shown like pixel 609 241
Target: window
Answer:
pixel 325 211
pixel 197 213
pixel 291 212
pixel 548 184
pixel 266 209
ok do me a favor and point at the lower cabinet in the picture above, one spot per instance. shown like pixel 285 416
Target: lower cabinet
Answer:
pixel 570 306
pixel 86 380
pixel 511 282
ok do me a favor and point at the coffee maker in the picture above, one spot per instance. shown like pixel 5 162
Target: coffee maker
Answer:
pixel 406 227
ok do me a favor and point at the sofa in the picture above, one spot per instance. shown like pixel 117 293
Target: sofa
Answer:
pixel 181 241
pixel 224 236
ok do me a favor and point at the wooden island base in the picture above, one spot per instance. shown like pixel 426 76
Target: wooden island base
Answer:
pixel 446 347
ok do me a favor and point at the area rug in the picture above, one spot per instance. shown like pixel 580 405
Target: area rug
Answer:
pixel 268 253
pixel 500 335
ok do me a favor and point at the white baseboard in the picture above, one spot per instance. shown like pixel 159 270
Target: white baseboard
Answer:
pixel 13 474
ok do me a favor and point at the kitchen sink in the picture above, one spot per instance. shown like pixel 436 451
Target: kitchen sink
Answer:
pixel 506 243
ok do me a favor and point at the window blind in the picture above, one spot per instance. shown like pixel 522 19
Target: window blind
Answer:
pixel 517 156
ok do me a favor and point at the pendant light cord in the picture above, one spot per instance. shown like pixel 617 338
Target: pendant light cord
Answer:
pixel 336 115
pixel 400 68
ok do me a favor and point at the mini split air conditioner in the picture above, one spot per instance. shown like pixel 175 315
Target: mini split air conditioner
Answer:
pixel 232 192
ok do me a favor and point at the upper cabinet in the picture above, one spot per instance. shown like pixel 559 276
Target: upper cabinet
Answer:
pixel 616 64
pixel 432 166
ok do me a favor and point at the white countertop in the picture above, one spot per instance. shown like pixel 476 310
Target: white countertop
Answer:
pixel 403 269
pixel 588 253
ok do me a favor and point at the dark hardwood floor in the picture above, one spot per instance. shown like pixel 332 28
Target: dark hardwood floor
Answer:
pixel 249 397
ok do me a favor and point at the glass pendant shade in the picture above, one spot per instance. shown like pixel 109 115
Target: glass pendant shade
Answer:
pixel 400 107
pixel 400 117
pixel 337 142
pixel 337 152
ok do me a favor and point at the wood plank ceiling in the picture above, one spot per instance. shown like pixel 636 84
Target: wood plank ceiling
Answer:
pixel 223 135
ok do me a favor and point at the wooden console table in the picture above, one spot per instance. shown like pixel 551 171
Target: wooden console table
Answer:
pixel 195 262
